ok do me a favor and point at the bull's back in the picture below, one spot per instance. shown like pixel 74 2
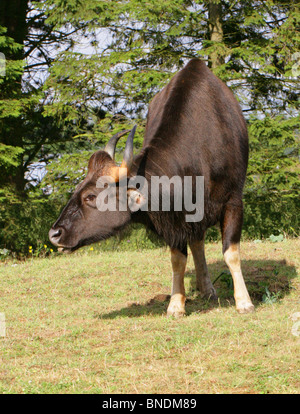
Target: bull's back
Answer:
pixel 195 126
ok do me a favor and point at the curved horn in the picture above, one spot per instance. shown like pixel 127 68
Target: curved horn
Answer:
pixel 128 152
pixel 111 145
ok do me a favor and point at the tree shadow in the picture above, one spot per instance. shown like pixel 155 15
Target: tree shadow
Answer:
pixel 267 281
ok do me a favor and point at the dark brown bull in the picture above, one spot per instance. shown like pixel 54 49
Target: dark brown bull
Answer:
pixel 195 127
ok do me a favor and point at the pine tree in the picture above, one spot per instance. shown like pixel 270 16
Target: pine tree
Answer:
pixel 79 70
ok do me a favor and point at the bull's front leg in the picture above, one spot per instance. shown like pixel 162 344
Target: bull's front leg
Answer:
pixel 176 306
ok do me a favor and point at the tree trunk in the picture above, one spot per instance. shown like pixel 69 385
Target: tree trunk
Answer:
pixel 215 30
pixel 13 18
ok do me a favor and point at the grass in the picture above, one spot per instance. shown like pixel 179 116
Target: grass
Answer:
pixel 96 323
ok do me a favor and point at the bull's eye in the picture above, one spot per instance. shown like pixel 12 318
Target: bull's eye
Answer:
pixel 90 198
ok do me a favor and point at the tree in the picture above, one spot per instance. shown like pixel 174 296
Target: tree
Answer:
pixel 27 134
pixel 78 71
pixel 272 190
pixel 216 31
pixel 12 37
pixel 250 45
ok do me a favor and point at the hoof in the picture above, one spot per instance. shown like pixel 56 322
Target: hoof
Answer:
pixel 208 292
pixel 246 307
pixel 176 307
pixel 210 295
pixel 175 314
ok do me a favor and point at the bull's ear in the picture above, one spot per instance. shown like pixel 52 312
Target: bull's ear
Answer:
pixel 136 200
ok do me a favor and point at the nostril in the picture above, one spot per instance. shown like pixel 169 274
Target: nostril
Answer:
pixel 54 235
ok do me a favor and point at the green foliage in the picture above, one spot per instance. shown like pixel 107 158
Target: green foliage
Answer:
pixel 147 41
pixel 64 174
pixel 25 223
pixel 272 190
pixel 269 298
pixel 104 61
pixel 14 68
pixel 4 253
pixel 275 239
pixel 9 156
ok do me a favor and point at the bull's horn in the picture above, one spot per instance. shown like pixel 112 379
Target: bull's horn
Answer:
pixel 128 152
pixel 111 145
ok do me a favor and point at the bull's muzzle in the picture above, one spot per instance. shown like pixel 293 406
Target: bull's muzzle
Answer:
pixel 55 236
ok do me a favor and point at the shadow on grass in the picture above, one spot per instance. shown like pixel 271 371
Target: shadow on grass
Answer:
pixel 267 281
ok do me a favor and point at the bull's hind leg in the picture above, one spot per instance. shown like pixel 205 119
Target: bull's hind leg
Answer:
pixel 177 303
pixel 231 226
pixel 203 282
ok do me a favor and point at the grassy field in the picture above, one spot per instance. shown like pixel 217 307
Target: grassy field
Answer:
pixel 96 323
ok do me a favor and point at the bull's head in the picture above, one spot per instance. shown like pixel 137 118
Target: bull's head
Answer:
pixel 81 223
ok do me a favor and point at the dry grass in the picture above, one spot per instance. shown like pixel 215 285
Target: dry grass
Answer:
pixel 96 323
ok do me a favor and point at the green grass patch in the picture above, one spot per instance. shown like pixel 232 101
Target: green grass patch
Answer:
pixel 95 322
